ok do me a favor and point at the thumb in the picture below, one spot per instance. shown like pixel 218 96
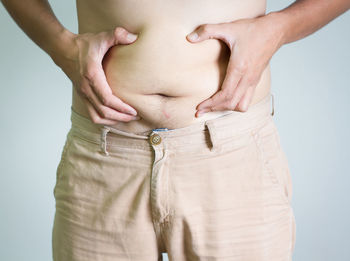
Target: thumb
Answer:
pixel 121 36
pixel 210 31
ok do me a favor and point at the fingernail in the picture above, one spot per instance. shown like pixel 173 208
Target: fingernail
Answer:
pixel 200 113
pixel 132 112
pixel 131 37
pixel 193 36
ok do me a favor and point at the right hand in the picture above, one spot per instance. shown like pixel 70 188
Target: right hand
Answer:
pixel 82 63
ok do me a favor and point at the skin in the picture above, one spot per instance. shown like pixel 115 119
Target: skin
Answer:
pixel 263 35
pixel 162 70
pixel 218 79
pixel 245 67
pixel 91 84
pixel 166 114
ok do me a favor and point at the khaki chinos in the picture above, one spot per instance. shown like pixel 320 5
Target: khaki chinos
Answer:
pixel 215 190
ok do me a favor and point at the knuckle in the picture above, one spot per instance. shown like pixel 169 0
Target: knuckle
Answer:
pixel 95 119
pixel 89 73
pixel 84 90
pixel 205 28
pixel 252 80
pixel 242 108
pixel 106 101
pixel 242 67
pixel 119 32
pixel 231 104
pixel 227 97
pixel 105 114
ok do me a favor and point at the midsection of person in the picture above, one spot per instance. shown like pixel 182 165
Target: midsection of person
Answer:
pixel 162 75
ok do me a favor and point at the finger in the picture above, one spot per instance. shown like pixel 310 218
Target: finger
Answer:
pixel 210 31
pixel 231 80
pixel 95 117
pixel 106 112
pixel 104 93
pixel 118 35
pixel 211 103
pixel 121 36
pixel 229 103
pixel 246 100
pixel 242 88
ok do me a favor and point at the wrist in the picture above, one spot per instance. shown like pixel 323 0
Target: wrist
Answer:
pixel 279 23
pixel 63 46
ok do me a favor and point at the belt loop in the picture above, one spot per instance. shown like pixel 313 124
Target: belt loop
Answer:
pixel 273 106
pixel 104 132
pixel 213 136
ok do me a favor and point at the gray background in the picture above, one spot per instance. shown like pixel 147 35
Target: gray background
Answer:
pixel 310 83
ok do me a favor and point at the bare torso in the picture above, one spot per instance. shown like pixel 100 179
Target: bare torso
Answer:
pixel 162 75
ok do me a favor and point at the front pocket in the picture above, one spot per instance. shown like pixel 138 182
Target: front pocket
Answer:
pixel 272 158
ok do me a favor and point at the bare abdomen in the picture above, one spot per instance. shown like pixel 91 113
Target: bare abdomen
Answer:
pixel 164 77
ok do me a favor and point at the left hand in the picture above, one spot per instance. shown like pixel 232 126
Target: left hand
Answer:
pixel 252 43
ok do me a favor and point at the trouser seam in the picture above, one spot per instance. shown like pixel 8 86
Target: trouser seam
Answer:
pixel 104 133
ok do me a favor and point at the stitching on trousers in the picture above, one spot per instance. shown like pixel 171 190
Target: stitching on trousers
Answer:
pixel 104 133
pixel 267 166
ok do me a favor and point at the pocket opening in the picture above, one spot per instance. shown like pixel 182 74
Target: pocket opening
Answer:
pixel 262 141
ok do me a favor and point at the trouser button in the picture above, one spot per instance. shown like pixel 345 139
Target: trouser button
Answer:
pixel 155 139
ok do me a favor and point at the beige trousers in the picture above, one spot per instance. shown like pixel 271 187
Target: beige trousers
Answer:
pixel 216 190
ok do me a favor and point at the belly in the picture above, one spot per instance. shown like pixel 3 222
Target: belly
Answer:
pixel 162 75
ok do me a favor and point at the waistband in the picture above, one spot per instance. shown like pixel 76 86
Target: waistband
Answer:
pixel 217 130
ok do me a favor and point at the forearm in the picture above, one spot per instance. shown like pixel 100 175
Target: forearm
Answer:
pixel 304 17
pixel 37 20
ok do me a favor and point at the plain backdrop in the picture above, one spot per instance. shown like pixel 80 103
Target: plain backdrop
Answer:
pixel 310 83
